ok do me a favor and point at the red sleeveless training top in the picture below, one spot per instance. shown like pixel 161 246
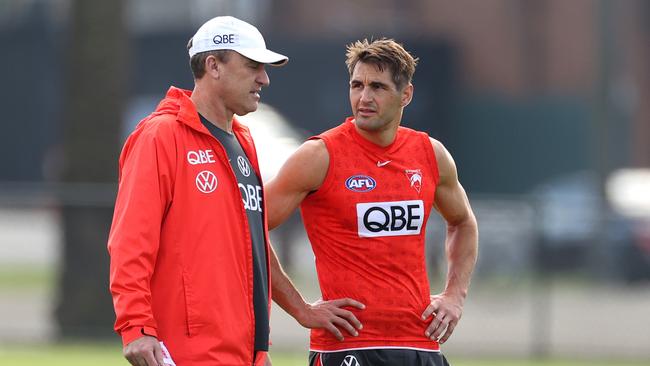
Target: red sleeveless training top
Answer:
pixel 366 225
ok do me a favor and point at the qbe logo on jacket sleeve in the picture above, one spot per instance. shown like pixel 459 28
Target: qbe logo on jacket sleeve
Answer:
pixel 390 218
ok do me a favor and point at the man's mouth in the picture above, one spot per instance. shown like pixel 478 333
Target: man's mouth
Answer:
pixel 366 111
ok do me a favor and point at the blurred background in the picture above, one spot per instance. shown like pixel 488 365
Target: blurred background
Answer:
pixel 541 103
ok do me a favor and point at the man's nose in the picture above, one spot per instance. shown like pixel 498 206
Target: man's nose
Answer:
pixel 263 78
pixel 366 95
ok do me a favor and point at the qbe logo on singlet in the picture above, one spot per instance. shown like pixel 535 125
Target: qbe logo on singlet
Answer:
pixel 390 218
pixel 251 196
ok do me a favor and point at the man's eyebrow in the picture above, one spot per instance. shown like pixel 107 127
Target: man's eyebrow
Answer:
pixel 376 84
pixel 372 83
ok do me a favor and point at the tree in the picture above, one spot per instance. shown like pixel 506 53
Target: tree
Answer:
pixel 94 102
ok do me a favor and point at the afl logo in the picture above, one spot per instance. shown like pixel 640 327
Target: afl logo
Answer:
pixel 360 183
pixel 206 181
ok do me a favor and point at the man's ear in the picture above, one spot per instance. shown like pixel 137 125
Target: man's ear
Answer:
pixel 213 67
pixel 407 95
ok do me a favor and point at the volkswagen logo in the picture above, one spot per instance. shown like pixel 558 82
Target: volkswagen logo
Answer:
pixel 244 168
pixel 350 360
pixel 206 181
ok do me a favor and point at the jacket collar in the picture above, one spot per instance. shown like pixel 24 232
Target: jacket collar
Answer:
pixel 178 100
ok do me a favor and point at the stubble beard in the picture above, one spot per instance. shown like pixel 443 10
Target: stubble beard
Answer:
pixel 372 124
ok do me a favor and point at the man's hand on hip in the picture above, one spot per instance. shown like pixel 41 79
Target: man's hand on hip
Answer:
pixel 330 315
pixel 446 311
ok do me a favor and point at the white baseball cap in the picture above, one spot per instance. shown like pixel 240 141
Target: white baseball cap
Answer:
pixel 230 33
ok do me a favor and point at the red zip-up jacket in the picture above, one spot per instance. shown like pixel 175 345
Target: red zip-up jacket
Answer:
pixel 181 252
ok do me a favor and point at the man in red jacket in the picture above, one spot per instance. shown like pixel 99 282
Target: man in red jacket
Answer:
pixel 189 243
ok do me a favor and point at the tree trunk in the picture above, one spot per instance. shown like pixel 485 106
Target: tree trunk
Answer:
pixel 93 110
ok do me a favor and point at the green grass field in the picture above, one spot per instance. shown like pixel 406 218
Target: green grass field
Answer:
pixel 21 279
pixel 110 355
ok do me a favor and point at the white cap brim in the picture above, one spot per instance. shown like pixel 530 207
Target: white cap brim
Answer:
pixel 263 56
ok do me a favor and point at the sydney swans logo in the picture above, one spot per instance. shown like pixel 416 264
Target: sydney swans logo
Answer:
pixel 206 181
pixel 415 178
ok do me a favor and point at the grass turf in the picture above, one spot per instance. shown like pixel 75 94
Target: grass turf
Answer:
pixel 110 355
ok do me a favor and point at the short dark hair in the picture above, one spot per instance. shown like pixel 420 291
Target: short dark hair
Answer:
pixel 197 62
pixel 383 53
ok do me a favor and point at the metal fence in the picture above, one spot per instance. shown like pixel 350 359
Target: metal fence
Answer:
pixel 533 294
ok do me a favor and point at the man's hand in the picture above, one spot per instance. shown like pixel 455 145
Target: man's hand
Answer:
pixel 330 314
pixel 144 351
pixel 446 311
pixel 267 361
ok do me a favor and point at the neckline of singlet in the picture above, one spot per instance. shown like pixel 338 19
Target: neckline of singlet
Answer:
pixel 369 144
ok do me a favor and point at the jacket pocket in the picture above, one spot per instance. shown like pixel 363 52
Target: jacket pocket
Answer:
pixel 191 306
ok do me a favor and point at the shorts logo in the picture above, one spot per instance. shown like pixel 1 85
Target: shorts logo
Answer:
pixel 244 168
pixel 350 360
pixel 396 218
pixel 360 183
pixel 415 178
pixel 206 181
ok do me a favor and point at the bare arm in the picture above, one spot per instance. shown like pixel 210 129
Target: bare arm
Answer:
pixel 461 248
pixel 304 172
pixel 328 315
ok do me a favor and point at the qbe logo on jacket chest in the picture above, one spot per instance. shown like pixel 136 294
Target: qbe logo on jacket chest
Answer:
pixel 390 218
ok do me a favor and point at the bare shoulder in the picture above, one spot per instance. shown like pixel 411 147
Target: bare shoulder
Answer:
pixel 314 148
pixel 302 173
pixel 446 164
pixel 307 167
pixel 312 155
pixel 450 198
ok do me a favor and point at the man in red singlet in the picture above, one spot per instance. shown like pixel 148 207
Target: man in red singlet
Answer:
pixel 366 189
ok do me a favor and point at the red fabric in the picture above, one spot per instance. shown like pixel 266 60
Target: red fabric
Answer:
pixel 317 362
pixel 181 259
pixel 386 273
pixel 260 358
